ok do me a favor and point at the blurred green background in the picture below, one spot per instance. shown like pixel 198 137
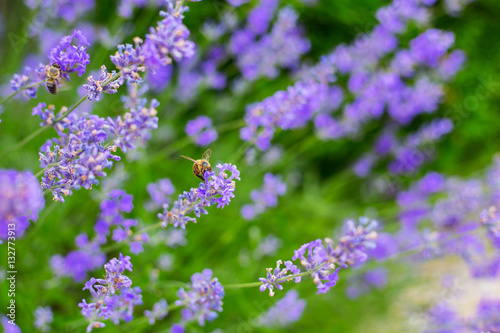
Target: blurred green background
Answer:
pixel 322 191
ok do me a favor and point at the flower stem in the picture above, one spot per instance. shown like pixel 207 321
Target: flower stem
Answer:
pixel 64 115
pixel 18 91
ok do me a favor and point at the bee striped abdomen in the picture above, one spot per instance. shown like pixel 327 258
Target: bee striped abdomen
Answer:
pixel 52 86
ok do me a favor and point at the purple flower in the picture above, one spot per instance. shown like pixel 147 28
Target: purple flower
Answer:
pixel 160 193
pixel 71 58
pixel 95 88
pixel 364 283
pixel 30 76
pixel 278 275
pixel 43 318
pixel 487 316
pixel 202 299
pixel 444 319
pixel 266 197
pixel 136 124
pixel 158 312
pixel 281 48
pixel 491 220
pixel 285 312
pixel 215 190
pixel 108 304
pixel 321 260
pixel 267 247
pixel 9 325
pixel 46 114
pixel 201 130
pixel 21 199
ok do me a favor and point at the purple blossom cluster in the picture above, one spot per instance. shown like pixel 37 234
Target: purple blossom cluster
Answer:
pixel 285 312
pixel 321 259
pixel 406 86
pixel 160 192
pixel 217 189
pixel 203 72
pixel 202 299
pixel 266 197
pixel 452 205
pixel 261 54
pixel 28 82
pixel 201 131
pixel 108 303
pixel 166 42
pixel 407 156
pixel 105 84
pixel 86 144
pixel 68 10
pixel 159 311
pixel 444 318
pixel 366 282
pixel 21 199
pixel 110 222
pixel 43 318
pixel 71 58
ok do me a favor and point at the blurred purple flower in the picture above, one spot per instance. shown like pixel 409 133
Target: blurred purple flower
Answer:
pixel 43 318
pixel 201 130
pixel 21 199
pixel 285 312
pixel 266 197
pixel 202 299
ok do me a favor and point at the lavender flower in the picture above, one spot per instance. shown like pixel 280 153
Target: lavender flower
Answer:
pixel 80 154
pixel 490 219
pixel 285 312
pixel 46 114
pixel 158 312
pixel 201 130
pixel 76 264
pixel 487 316
pixel 135 124
pixel 30 77
pixel 202 299
pixel 267 247
pixel 21 199
pixel 71 58
pixel 160 193
pixel 95 88
pixel 266 197
pixel 320 261
pixel 364 283
pixel 215 190
pixel 107 302
pixel 283 47
pixel 110 222
pixel 43 318
pixel 167 41
pixel 9 326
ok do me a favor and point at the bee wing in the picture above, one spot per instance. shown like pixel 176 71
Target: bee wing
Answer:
pixel 206 154
pixel 188 158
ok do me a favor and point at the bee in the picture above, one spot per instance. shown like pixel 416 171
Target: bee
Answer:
pixel 53 77
pixel 202 165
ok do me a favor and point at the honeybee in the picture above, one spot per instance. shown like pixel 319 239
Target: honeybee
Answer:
pixel 202 165
pixel 53 76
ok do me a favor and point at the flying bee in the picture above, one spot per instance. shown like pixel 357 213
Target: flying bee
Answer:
pixel 53 77
pixel 202 165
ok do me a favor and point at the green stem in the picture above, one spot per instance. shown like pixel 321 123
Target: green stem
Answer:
pixel 64 115
pixel 281 280
pixel 18 91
